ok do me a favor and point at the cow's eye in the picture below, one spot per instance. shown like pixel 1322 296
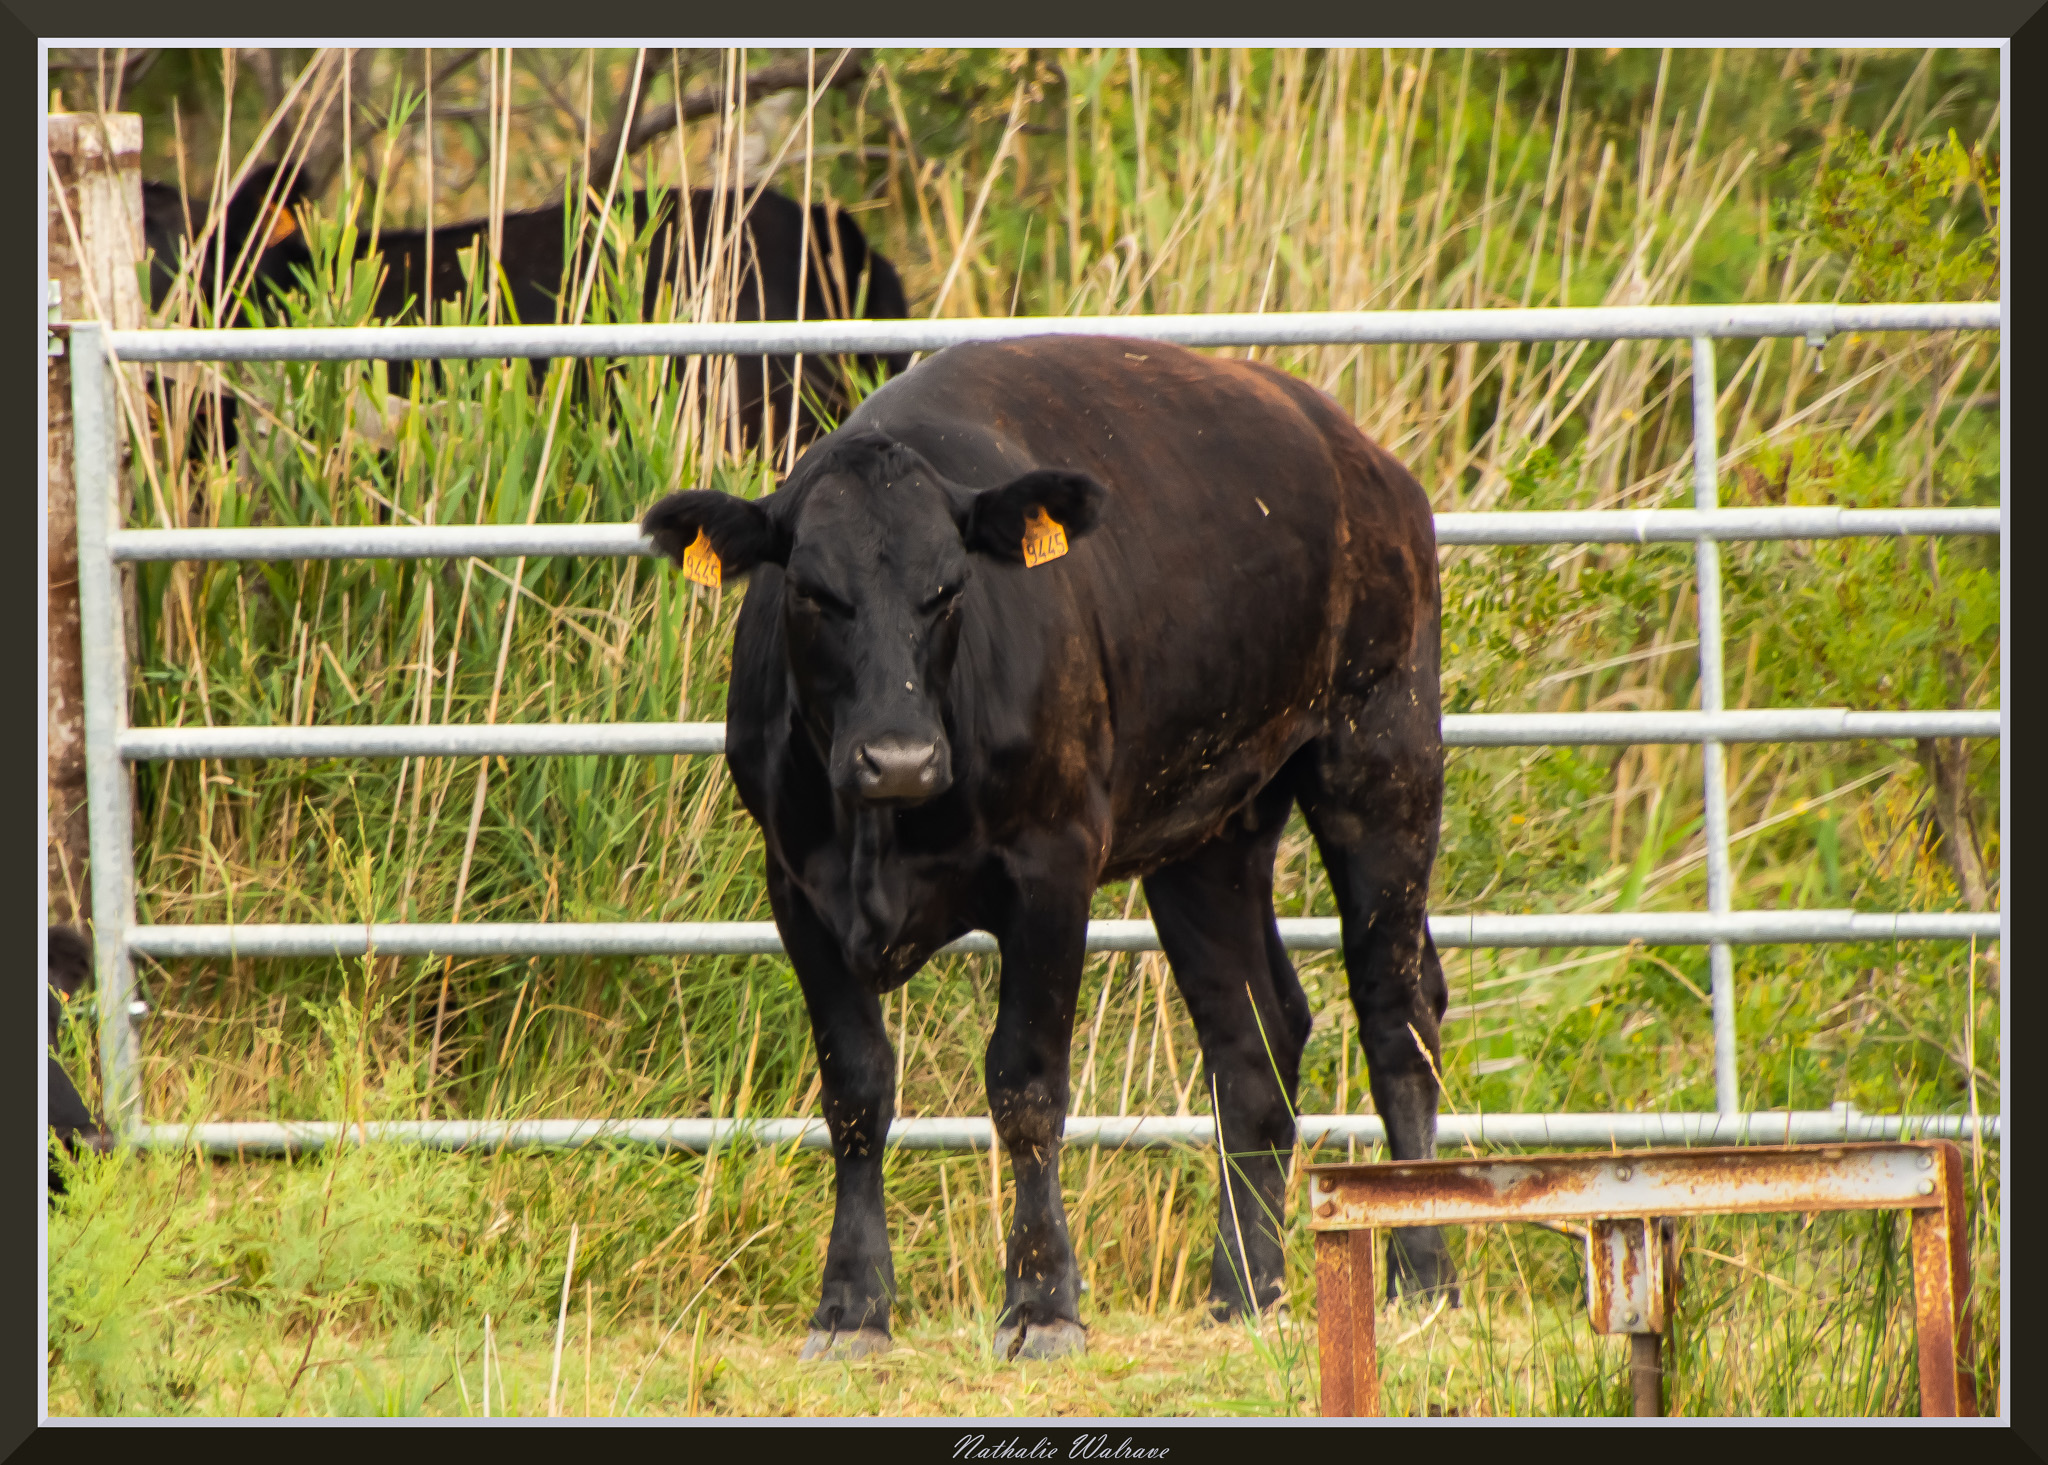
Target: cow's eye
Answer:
pixel 942 600
pixel 811 597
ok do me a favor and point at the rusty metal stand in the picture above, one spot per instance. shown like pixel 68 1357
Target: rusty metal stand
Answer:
pixel 1346 1341
pixel 1632 1274
pixel 1646 1373
pixel 1631 1287
pixel 1941 1289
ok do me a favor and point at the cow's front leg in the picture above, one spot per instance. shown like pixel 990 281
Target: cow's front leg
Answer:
pixel 857 1073
pixel 1043 946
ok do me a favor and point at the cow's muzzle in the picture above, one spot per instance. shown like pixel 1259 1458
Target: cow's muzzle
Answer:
pixel 897 771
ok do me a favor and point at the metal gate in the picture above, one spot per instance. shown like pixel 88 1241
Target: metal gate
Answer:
pixel 111 742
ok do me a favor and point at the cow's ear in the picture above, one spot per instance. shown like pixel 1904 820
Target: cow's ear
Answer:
pixel 715 536
pixel 1000 521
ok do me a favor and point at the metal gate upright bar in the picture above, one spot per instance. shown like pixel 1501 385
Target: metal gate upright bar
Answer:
pixel 103 647
pixel 105 543
pixel 1714 787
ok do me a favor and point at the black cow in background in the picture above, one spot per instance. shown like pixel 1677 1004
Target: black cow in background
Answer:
pixel 844 279
pixel 281 252
pixel 1061 611
pixel 71 1123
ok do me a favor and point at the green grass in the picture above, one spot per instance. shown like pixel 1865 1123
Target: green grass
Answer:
pixel 359 1282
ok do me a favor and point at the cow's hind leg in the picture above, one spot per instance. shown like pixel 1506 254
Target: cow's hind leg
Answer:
pixel 1372 791
pixel 857 1074
pixel 1214 912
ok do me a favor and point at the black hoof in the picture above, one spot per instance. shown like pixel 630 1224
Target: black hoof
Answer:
pixel 843 1347
pixel 1059 1338
pixel 1419 1267
pixel 1233 1308
pixel 1224 1314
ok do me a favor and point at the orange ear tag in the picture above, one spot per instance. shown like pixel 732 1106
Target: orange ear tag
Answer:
pixel 1044 539
pixel 700 562
pixel 282 227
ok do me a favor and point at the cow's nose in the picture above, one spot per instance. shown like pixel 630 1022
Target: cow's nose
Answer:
pixel 897 770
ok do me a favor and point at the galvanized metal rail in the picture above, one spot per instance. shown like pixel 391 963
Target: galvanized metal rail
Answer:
pixel 1304 328
pixel 111 742
pixel 620 541
pixel 1460 730
pixel 1309 933
pixel 1138 1132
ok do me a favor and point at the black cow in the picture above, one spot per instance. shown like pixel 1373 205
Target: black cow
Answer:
pixel 1061 611
pixel 845 279
pixel 272 233
pixel 280 254
pixel 72 1123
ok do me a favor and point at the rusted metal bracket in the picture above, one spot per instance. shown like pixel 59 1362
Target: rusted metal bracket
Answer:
pixel 1632 1273
pixel 1632 1288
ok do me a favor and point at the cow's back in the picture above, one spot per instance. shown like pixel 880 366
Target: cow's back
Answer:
pixel 1258 564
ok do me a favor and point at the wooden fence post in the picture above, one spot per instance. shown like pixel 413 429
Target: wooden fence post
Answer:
pixel 94 178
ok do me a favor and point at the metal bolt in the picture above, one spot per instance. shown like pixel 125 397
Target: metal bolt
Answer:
pixel 1623 1172
pixel 138 1009
pixel 1631 1317
pixel 1927 1187
pixel 1327 1208
pixel 1926 1161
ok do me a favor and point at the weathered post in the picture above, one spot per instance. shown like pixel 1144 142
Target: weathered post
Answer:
pixel 94 178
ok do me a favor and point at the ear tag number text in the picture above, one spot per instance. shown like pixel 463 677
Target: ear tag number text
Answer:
pixel 700 562
pixel 1044 539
